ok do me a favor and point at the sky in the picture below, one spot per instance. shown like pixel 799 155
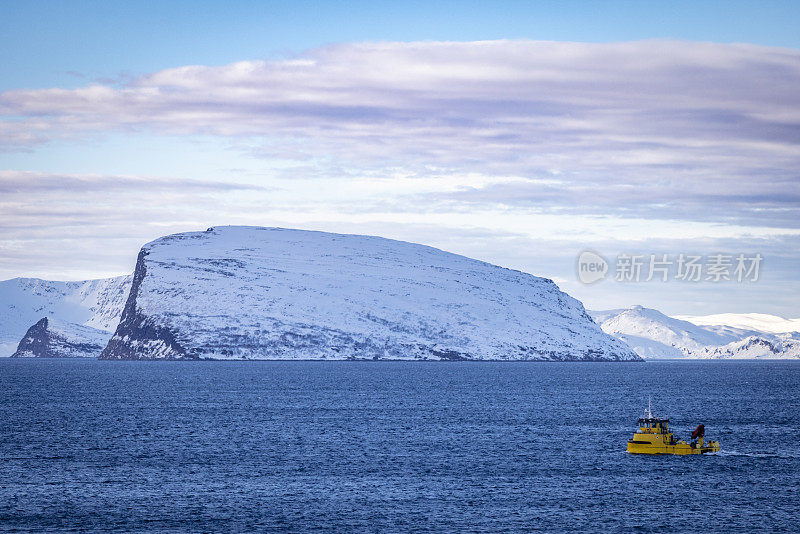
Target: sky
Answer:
pixel 519 133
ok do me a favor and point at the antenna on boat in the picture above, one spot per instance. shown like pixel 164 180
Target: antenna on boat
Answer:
pixel 649 404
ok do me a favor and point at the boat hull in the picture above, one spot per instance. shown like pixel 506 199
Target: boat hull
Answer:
pixel 680 448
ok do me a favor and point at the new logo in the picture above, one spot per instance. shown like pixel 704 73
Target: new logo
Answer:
pixel 592 267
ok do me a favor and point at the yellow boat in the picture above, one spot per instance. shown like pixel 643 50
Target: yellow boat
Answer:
pixel 654 437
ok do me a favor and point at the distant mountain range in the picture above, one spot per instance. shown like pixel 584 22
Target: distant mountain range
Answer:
pixel 758 322
pixel 654 335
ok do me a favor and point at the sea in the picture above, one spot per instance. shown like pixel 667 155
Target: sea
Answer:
pixel 302 446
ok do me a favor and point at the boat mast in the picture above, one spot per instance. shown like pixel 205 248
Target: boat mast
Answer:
pixel 649 404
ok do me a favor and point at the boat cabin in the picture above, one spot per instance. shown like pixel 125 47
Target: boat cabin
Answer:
pixel 654 425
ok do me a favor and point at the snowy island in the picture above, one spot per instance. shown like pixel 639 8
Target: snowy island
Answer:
pixel 271 293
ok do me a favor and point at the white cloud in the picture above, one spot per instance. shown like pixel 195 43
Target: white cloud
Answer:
pixel 670 119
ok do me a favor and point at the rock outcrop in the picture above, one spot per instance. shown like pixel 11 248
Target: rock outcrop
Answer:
pixel 50 338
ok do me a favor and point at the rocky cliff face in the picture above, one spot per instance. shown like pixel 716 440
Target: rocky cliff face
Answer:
pixel 50 338
pixel 270 293
pixel 93 303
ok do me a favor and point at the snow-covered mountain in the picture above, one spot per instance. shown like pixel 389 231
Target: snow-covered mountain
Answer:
pixel 51 338
pixel 600 316
pixel 758 322
pixel 754 347
pixel 25 301
pixel 651 334
pixel 654 335
pixel 271 293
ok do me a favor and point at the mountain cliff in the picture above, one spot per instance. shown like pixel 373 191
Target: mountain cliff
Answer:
pixel 93 303
pixel 50 338
pixel 271 293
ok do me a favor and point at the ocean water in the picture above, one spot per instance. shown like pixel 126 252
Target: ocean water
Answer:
pixel 393 446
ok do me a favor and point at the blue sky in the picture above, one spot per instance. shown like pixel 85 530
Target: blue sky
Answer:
pixel 50 43
pixel 646 127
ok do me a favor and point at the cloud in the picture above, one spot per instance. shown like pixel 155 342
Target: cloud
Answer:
pixel 88 225
pixel 33 183
pixel 84 227
pixel 505 93
pixel 38 208
pixel 517 152
pixel 756 203
pixel 622 126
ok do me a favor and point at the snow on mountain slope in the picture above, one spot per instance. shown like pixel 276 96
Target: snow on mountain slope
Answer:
pixel 649 348
pixel 651 334
pixel 760 322
pixel 24 301
pixel 730 332
pixel 600 316
pixel 271 293
pixel 754 347
pixel 51 338
pixel 654 335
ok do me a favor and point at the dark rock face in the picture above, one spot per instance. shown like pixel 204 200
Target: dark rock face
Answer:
pixel 35 343
pixel 133 325
pixel 50 339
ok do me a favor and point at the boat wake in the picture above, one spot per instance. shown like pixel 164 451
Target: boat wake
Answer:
pixel 756 455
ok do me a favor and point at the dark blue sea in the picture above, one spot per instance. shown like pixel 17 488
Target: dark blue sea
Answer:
pixel 393 446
